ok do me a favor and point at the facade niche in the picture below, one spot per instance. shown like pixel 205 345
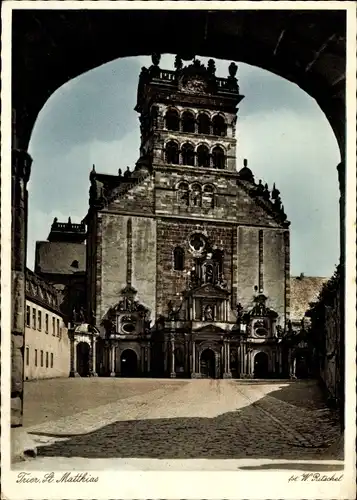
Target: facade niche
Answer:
pixel 179 259
pixel 172 153
pixel 196 195
pixel 219 126
pixel 204 124
pixel 218 159
pixel 188 155
pixel 203 156
pixel 208 197
pixel 183 194
pixel 172 120
pixel 188 122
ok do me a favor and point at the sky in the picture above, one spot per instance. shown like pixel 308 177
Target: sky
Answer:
pixel 280 130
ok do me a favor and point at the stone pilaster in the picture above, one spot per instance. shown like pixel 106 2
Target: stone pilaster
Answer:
pixel 20 174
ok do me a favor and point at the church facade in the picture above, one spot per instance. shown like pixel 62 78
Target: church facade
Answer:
pixel 188 259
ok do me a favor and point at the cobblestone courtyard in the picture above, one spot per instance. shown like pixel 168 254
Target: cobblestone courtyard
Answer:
pixel 146 421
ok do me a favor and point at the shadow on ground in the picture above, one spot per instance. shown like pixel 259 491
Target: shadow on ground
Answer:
pixel 273 427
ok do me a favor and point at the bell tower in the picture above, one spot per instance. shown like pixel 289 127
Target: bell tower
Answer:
pixel 188 115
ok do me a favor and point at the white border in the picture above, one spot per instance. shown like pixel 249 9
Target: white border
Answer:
pixel 209 485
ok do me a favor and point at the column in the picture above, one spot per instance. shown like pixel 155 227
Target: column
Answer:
pixel 142 354
pixel 165 357
pixel 149 360
pixel 112 360
pixel 94 357
pixel 193 372
pixel 187 356
pixel 74 372
pixel 173 373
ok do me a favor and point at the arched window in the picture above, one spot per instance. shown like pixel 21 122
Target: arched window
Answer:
pixel 219 126
pixel 179 259
pixel 218 158
pixel 203 156
pixel 208 197
pixel 188 155
pixel 196 195
pixel 172 153
pixel 204 124
pixel 183 194
pixel 188 122
pixel 172 120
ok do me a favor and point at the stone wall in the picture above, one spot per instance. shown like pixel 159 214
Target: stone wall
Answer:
pixel 174 232
pixel 52 342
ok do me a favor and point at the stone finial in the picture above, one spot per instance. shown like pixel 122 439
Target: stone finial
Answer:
pixel 119 172
pixel 92 173
pixel 155 57
pixel 260 188
pixel 266 193
pixel 245 162
pixel 55 220
pixel 127 172
pixel 233 68
pixel 275 193
pixel 211 67
pixel 178 63
pixel 69 220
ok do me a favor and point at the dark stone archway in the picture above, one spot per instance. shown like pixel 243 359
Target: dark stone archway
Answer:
pixel 261 365
pixel 51 47
pixel 208 364
pixel 83 353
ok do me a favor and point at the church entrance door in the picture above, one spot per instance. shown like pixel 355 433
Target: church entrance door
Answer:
pixel 129 363
pixel 83 359
pixel 207 364
pixel 301 369
pixel 261 365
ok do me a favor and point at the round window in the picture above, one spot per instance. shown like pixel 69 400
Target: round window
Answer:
pixel 261 332
pixel 128 328
pixel 197 242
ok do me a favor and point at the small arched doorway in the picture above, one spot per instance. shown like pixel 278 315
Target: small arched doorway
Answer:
pixel 129 363
pixel 83 351
pixel 261 365
pixel 208 364
pixel 301 365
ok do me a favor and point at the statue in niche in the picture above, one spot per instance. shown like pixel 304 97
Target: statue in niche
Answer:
pixel 209 274
pixel 239 310
pixel 194 281
pixel 222 281
pixel 208 314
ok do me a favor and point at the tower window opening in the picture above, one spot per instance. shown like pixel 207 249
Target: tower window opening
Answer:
pixel 204 124
pixel 219 126
pixel 188 122
pixel 218 158
pixel 183 194
pixel 172 153
pixel 188 155
pixel 179 259
pixel 203 156
pixel 172 120
pixel 154 116
pixel 196 195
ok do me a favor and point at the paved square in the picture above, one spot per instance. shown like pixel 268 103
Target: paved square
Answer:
pixel 137 423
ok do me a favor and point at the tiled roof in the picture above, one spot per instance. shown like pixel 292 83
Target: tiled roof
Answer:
pixel 303 290
pixel 57 257
pixel 42 292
